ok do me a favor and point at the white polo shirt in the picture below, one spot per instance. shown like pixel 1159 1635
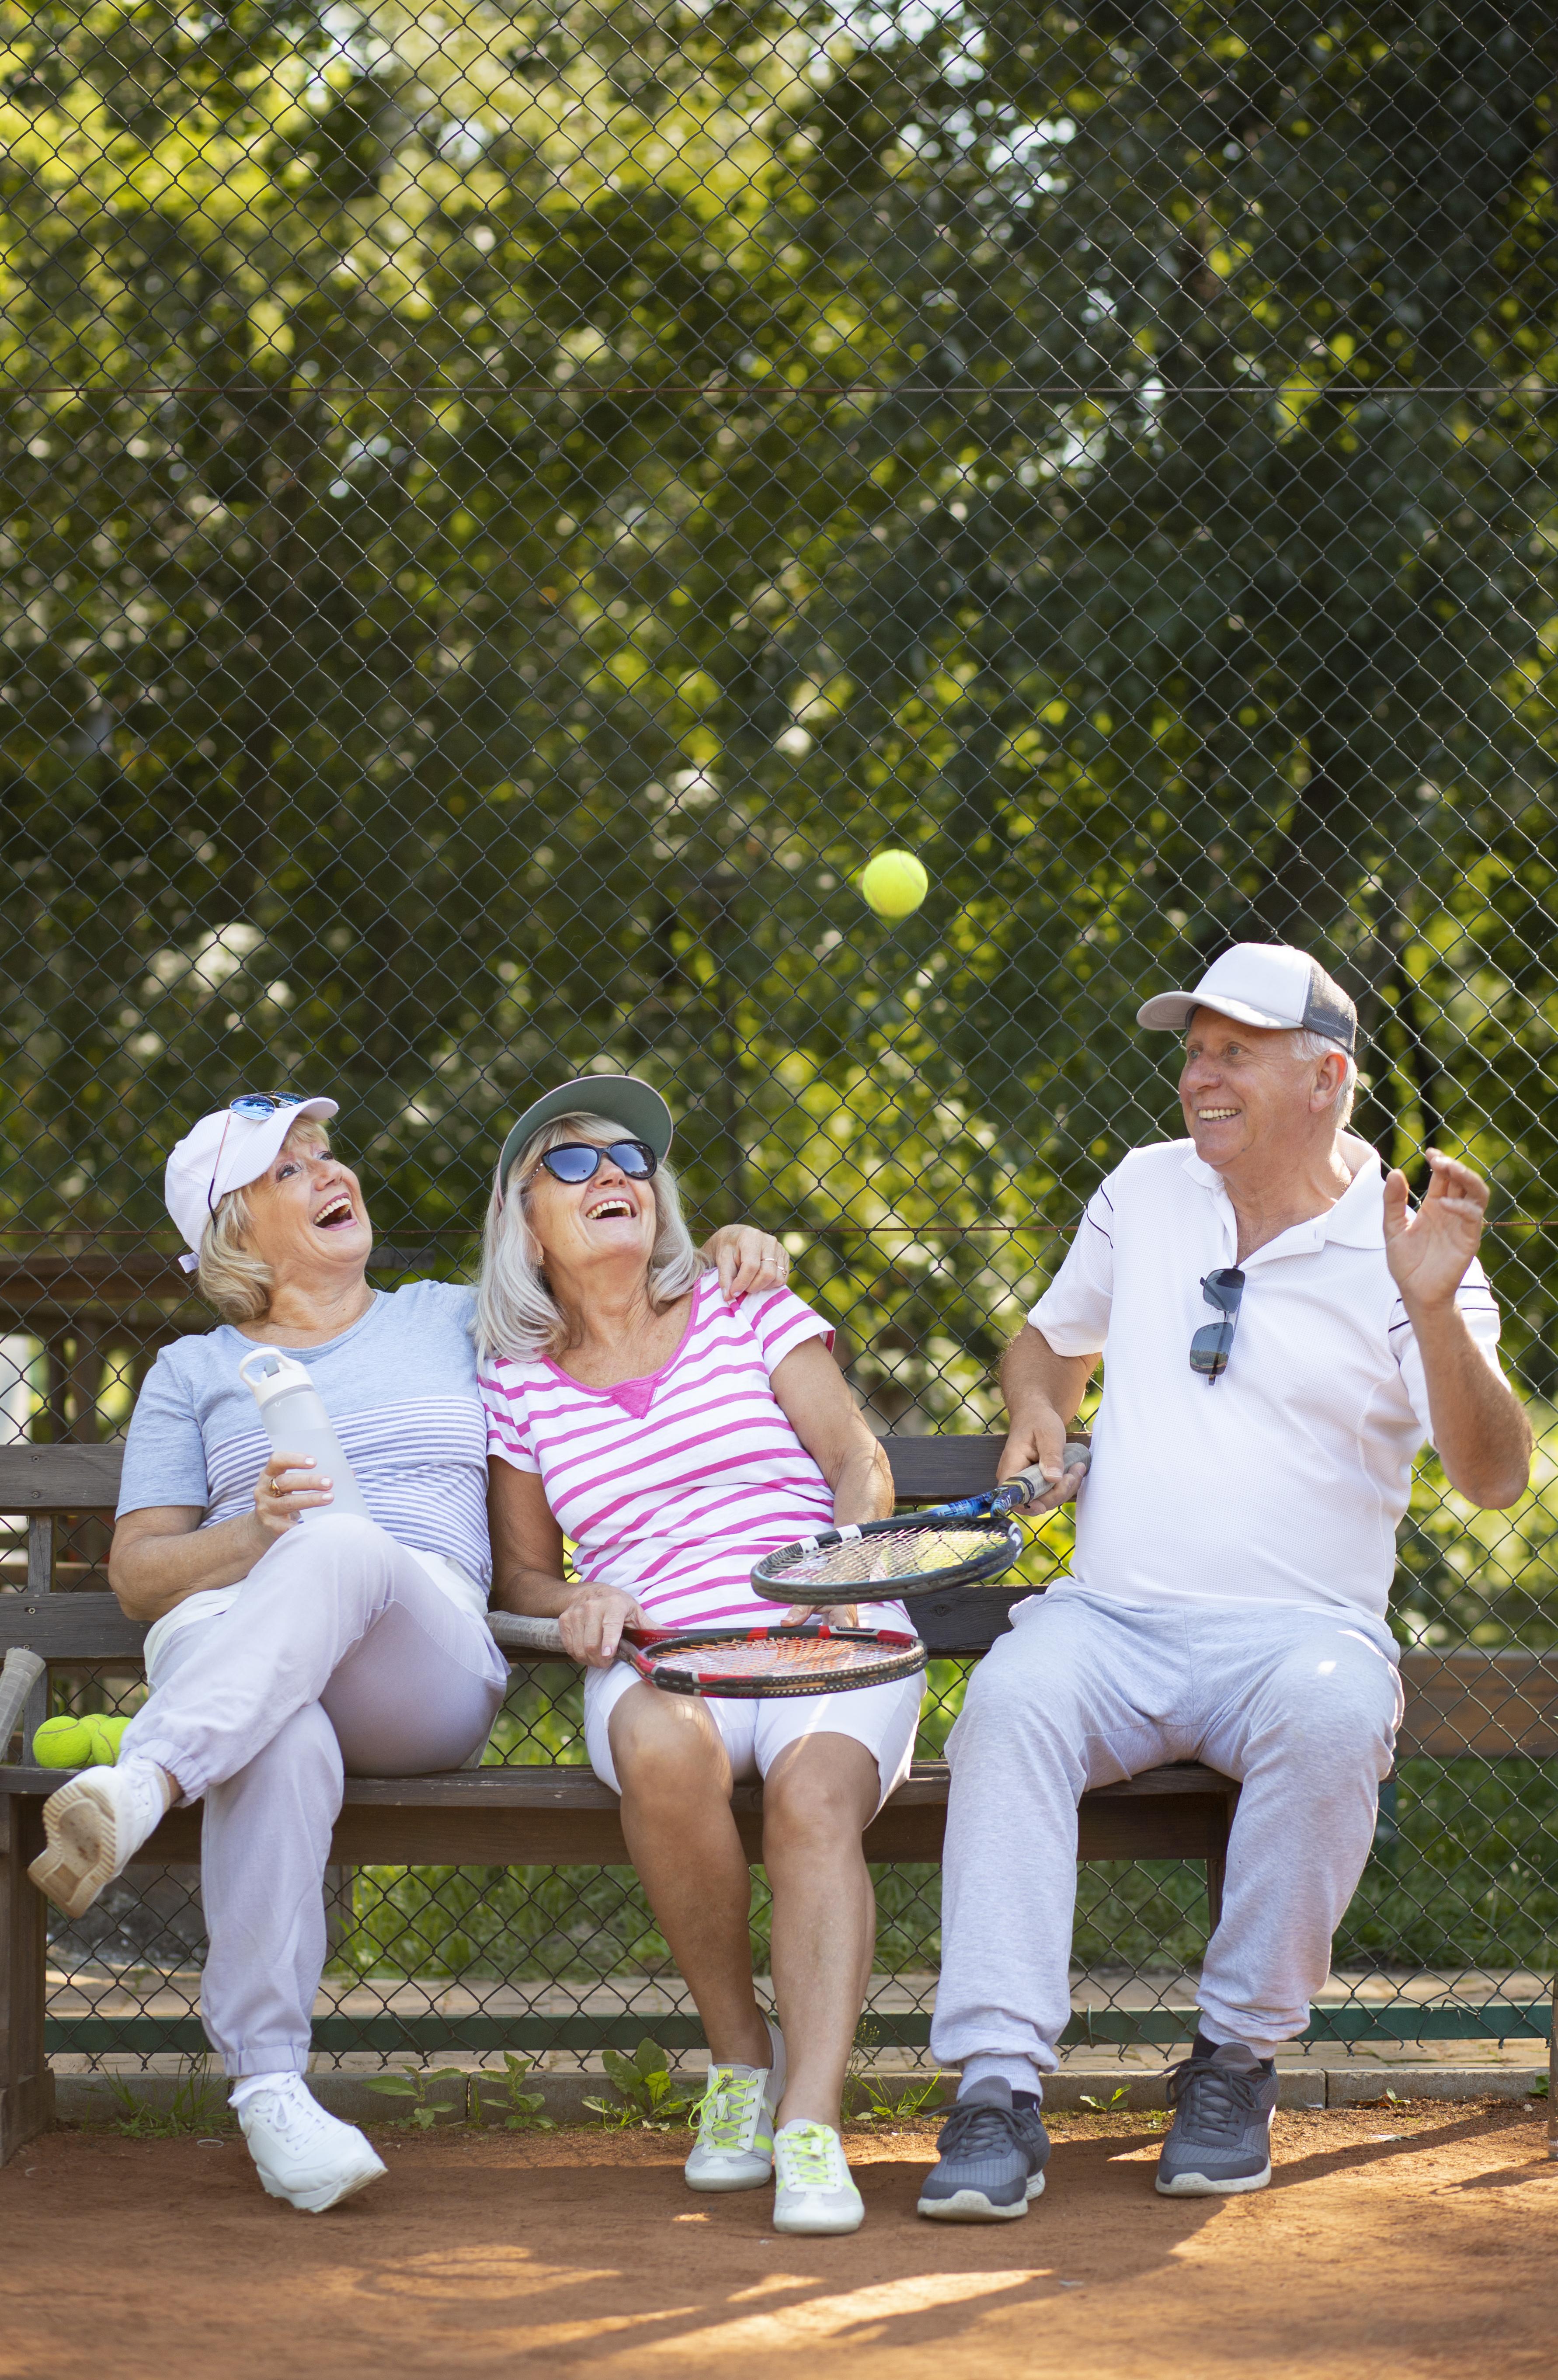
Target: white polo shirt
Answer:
pixel 1285 1480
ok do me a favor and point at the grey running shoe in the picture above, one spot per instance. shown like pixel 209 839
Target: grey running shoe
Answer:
pixel 993 2159
pixel 1221 2138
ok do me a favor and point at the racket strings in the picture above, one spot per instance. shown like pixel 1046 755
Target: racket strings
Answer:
pixel 810 1656
pixel 897 1554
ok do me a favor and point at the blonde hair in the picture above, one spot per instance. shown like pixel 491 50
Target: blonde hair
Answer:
pixel 516 1312
pixel 231 1277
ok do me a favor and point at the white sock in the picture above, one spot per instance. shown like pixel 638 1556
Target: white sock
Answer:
pixel 1020 2072
pixel 249 2086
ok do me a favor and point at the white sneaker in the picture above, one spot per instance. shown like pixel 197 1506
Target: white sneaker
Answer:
pixel 94 1826
pixel 815 2192
pixel 304 2155
pixel 735 2145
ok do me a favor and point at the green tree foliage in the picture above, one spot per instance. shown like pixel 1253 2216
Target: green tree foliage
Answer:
pixel 507 508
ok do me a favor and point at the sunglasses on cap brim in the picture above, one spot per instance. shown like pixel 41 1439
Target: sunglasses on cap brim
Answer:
pixel 253 1106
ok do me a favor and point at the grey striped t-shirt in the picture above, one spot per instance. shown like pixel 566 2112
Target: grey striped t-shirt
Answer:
pixel 400 1387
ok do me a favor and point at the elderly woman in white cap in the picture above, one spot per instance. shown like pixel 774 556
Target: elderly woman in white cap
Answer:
pixel 282 1657
pixel 672 1439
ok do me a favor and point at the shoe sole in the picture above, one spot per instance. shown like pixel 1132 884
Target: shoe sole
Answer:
pixel 757 2181
pixel 819 2230
pixel 973 2206
pixel 79 1859
pixel 319 2201
pixel 1202 2185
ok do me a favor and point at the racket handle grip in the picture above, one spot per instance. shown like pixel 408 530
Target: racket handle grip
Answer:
pixel 516 1631
pixel 1033 1481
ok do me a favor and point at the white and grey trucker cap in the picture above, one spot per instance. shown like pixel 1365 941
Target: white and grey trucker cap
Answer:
pixel 1261 983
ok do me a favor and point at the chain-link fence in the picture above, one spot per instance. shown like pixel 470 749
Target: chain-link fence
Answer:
pixel 507 507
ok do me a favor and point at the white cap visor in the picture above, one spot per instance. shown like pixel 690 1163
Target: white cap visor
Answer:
pixel 1170 1011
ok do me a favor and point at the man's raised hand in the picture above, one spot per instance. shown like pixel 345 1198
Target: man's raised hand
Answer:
pixel 1429 1252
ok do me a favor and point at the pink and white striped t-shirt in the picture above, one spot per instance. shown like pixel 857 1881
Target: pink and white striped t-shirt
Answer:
pixel 671 1486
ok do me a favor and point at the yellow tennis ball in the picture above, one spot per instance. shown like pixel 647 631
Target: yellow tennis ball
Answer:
pixel 107 1733
pixel 895 883
pixel 64 1744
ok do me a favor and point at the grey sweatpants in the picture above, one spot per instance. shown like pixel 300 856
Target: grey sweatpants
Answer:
pixel 340 1655
pixel 1301 1706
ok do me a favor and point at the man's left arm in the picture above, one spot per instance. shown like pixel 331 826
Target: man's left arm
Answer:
pixel 1479 1431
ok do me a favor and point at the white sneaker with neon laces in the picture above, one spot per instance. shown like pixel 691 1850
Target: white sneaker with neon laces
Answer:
pixel 735 2145
pixel 815 2192
pixel 302 2152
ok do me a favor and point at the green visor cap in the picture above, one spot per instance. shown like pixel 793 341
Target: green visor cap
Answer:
pixel 636 1106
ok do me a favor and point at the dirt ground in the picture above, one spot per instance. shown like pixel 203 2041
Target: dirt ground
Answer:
pixel 1394 2241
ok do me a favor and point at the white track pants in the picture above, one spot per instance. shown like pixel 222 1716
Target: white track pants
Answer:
pixel 340 1656
pixel 1301 1706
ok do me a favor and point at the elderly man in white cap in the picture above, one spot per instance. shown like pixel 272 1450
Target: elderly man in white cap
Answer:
pixel 283 1656
pixel 1281 1333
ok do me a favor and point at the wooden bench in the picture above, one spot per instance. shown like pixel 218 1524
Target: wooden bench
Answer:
pixel 560 1815
pixel 547 1816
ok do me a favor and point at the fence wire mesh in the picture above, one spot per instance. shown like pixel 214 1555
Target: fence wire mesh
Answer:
pixel 507 507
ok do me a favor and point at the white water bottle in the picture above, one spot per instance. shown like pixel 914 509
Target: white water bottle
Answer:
pixel 293 1413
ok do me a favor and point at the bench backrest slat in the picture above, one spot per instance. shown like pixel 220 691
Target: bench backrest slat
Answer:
pixel 1492 1705
pixel 78 1627
pixel 86 1478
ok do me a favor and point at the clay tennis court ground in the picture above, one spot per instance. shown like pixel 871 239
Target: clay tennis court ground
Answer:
pixel 1394 2241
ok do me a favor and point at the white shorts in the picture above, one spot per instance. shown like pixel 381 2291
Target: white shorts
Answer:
pixel 882 1717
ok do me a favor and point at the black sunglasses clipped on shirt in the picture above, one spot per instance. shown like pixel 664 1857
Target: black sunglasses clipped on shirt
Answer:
pixel 579 1160
pixel 1212 1344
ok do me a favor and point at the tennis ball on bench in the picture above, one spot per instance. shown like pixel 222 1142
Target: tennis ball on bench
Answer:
pixel 66 1743
pixel 895 884
pixel 108 1731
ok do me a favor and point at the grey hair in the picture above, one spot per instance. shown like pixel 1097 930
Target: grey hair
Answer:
pixel 239 1284
pixel 516 1313
pixel 1319 1045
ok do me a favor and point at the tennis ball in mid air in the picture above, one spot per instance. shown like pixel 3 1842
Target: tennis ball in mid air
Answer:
pixel 65 1743
pixel 895 883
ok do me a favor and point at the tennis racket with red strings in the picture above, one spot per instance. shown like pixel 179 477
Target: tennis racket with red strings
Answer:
pixel 966 1544
pixel 761 1663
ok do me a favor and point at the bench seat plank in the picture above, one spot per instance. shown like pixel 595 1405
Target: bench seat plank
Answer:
pixel 565 1816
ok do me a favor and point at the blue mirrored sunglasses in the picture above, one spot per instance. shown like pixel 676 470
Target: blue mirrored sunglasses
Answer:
pixel 579 1160
pixel 255 1104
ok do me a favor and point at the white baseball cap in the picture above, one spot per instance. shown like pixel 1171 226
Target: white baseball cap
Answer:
pixel 1261 983
pixel 227 1149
